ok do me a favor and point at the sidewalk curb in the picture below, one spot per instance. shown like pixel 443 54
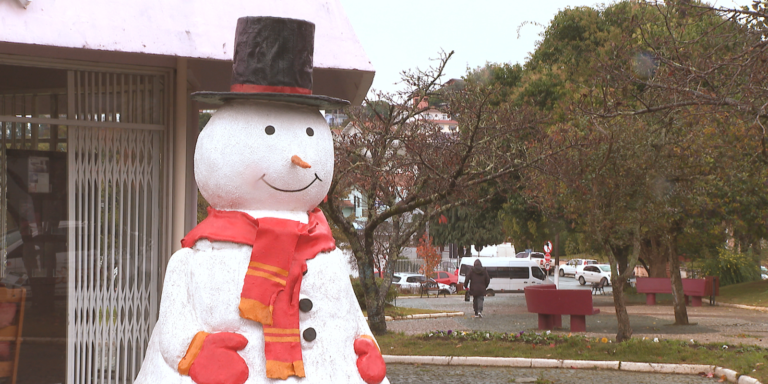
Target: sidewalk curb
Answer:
pixel 517 362
pixel 422 316
pixel 761 309
pixel 452 295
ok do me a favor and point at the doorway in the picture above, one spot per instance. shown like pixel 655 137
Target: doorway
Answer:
pixel 83 155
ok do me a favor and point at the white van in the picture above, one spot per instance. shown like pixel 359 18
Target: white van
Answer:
pixel 507 273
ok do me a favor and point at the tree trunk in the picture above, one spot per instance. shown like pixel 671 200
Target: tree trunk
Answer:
pixel 678 296
pixel 625 329
pixel 374 305
pixel 373 299
pixel 619 280
pixel 376 318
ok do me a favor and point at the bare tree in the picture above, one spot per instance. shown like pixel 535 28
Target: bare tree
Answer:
pixel 401 162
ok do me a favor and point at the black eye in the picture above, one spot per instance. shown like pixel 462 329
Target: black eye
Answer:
pixel 310 132
pixel 269 130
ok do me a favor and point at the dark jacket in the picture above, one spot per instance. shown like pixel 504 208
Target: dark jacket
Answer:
pixel 477 280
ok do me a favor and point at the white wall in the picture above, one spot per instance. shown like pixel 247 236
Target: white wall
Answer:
pixel 195 29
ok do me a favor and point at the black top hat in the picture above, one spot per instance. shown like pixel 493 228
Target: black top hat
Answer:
pixel 273 62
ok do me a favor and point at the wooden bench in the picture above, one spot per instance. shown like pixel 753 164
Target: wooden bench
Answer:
pixel 551 303
pixel 428 287
pixel 693 288
pixel 11 333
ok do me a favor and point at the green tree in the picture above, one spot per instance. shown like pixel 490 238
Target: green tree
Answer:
pixel 615 184
pixel 476 224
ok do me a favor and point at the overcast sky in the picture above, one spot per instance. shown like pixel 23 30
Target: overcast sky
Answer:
pixel 405 34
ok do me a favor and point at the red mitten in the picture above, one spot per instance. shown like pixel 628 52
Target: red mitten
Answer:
pixel 370 363
pixel 218 361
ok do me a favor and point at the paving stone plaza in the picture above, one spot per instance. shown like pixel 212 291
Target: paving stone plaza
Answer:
pixel 507 313
pixel 406 373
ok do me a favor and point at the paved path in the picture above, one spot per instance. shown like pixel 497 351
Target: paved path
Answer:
pixel 404 373
pixel 506 312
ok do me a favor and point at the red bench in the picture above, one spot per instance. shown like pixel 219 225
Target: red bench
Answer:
pixel 551 303
pixel 693 288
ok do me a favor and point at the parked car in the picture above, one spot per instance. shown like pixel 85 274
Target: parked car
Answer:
pixel 414 281
pixel 572 265
pixel 408 280
pixel 764 272
pixel 538 257
pixel 594 273
pixel 449 279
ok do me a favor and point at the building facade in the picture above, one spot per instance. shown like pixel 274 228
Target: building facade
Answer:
pixel 98 133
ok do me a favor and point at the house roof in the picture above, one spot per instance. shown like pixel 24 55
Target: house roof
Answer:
pixel 196 29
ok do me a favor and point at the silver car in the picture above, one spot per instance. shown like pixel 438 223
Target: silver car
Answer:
pixel 594 274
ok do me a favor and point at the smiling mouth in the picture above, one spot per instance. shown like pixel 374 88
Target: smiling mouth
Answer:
pixel 290 190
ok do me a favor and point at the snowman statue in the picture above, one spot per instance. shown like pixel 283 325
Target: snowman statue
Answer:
pixel 258 293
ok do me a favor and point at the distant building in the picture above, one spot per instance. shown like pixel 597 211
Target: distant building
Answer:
pixel 441 119
pixel 335 118
pixel 434 115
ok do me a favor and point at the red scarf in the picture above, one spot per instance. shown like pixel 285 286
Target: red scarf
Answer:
pixel 270 294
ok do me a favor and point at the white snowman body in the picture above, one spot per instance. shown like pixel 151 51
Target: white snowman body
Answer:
pixel 241 164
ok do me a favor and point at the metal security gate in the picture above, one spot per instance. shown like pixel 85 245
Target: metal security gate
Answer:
pixel 116 196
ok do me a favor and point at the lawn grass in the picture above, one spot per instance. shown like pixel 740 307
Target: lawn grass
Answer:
pixel 745 359
pixel 393 311
pixel 753 293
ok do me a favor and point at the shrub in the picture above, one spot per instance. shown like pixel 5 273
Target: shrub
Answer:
pixel 358 288
pixel 731 267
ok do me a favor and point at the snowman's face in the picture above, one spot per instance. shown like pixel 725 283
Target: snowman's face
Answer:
pixel 257 155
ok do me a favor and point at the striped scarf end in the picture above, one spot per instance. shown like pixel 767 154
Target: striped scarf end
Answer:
pixel 282 370
pixel 256 311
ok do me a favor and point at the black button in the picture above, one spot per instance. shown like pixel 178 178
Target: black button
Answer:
pixel 305 305
pixel 309 334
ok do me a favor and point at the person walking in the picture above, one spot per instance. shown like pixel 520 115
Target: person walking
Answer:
pixel 477 282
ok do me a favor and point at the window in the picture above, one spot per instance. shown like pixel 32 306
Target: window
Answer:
pixel 395 279
pixel 443 275
pixel 498 272
pixel 464 269
pixel 538 273
pixel 520 273
pixel 605 268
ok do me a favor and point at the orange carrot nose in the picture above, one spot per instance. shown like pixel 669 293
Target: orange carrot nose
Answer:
pixel 301 163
